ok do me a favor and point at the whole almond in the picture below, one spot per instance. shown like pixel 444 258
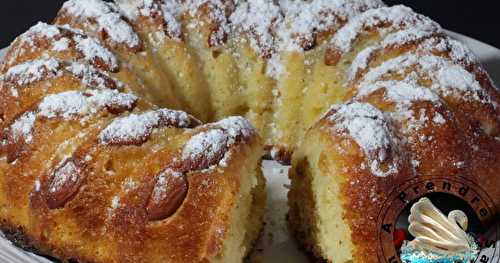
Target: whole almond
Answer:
pixel 63 184
pixel 168 194
pixel 204 150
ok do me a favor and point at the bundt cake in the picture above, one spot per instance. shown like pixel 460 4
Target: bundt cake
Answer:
pixel 100 163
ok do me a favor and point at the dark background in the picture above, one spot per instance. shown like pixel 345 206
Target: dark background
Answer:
pixel 479 19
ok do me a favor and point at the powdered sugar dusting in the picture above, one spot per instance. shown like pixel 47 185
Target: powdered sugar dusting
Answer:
pixel 303 19
pixel 400 17
pixel 32 71
pixel 129 128
pixel 422 31
pixel 455 77
pixel 215 11
pixel 223 134
pixel 92 49
pixel 71 105
pixel 399 91
pixel 347 9
pixel 67 173
pixel 168 9
pixel 236 126
pixel 397 39
pixel 257 18
pixel 403 94
pixel 460 52
pixel 173 10
pixel 75 103
pixel 115 202
pixel 107 18
pixel 170 15
pixel 23 126
pixel 205 145
pixel 61 44
pixel 448 79
pixel 369 128
pixel 62 39
pixel 429 38
pixel 291 26
pixel 132 9
pixel 159 191
pixel 361 61
pixel 92 77
pixel 39 30
pixel 296 30
pixel 438 119
pixel 136 128
pixel 43 29
pixel 47 68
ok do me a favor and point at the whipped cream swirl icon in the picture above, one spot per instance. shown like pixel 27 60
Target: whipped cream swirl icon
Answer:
pixel 437 237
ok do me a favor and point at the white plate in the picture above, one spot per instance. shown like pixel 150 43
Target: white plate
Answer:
pixel 276 243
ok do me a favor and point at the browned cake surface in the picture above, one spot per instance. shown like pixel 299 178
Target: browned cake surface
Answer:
pixel 162 194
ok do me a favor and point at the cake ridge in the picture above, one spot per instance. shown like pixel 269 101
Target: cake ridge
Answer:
pixel 428 43
pixel 151 9
pixel 136 128
pixel 450 78
pixel 65 106
pixel 371 131
pixel 77 103
pixel 211 148
pixel 61 39
pixel 107 18
pixel 382 20
pixel 292 26
pixel 398 91
pixel 48 68
pixel 397 40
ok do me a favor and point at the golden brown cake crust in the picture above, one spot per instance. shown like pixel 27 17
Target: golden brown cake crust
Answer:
pixel 195 233
pixel 456 147
pixel 86 158
pixel 364 195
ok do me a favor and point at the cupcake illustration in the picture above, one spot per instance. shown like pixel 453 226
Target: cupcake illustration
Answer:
pixel 438 238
